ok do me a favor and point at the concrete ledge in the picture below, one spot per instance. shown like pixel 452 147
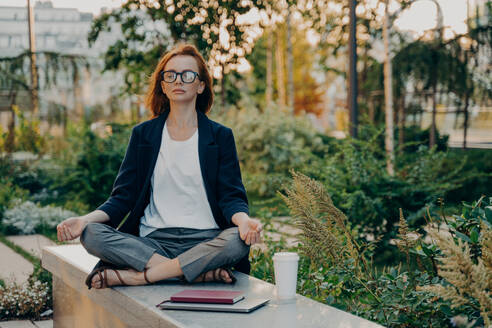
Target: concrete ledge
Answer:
pixel 134 306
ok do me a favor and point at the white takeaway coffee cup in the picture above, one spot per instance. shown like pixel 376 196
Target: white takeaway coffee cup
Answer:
pixel 285 265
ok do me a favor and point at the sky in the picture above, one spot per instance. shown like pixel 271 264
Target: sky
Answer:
pixel 420 17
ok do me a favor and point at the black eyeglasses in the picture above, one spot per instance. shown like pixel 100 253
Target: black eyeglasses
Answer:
pixel 187 76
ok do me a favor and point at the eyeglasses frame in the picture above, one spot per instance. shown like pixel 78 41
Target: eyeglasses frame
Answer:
pixel 181 76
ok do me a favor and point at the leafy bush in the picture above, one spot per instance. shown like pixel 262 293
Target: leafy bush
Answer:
pixel 337 268
pixel 89 166
pixel 356 178
pixel 464 259
pixel 9 190
pixel 27 136
pixel 28 218
pixel 270 143
pixel 478 160
pixel 353 171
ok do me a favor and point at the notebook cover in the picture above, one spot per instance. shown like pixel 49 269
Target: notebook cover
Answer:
pixel 208 296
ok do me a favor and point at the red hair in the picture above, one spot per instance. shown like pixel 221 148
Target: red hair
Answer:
pixel 157 101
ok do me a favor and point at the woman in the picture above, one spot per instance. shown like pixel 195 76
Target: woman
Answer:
pixel 181 183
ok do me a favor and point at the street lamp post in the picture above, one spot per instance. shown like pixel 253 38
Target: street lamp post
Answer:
pixel 352 92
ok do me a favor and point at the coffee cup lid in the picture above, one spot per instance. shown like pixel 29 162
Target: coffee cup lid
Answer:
pixel 288 256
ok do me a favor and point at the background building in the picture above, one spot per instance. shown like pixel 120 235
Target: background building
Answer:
pixel 62 30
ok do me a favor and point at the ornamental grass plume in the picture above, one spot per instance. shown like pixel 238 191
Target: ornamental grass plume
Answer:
pixel 470 283
pixel 406 239
pixel 325 235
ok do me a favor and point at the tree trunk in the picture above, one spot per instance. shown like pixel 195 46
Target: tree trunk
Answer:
pixel 371 110
pixel 32 56
pixel 388 97
pixel 401 122
pixel 77 103
pixel 465 111
pixel 432 138
pixel 290 63
pixel 280 71
pixel 352 83
pixel 269 69
pixel 10 142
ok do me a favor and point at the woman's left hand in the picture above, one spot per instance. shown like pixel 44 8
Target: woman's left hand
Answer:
pixel 249 229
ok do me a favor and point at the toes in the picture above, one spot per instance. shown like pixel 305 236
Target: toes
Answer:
pixel 95 282
pixel 225 276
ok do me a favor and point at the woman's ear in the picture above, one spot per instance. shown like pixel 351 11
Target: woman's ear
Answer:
pixel 162 87
pixel 201 87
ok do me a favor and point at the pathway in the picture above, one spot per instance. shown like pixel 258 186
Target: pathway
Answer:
pixel 15 267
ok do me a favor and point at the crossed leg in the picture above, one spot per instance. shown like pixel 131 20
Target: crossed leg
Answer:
pixel 130 251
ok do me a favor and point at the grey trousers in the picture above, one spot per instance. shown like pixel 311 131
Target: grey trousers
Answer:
pixel 197 250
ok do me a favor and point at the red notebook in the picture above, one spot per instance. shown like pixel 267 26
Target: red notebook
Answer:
pixel 208 296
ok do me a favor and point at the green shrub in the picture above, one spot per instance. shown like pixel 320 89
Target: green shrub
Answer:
pixel 27 136
pixel 89 166
pixel 270 143
pixel 336 267
pixel 356 178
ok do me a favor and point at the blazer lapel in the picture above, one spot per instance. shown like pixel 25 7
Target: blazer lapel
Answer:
pixel 153 137
pixel 208 153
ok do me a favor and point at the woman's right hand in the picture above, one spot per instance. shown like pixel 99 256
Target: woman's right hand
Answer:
pixel 70 228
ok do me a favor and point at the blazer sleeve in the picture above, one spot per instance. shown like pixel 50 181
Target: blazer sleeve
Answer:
pixel 123 195
pixel 231 192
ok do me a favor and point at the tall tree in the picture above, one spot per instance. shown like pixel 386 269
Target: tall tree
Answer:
pixel 149 28
pixel 388 95
pixel 290 58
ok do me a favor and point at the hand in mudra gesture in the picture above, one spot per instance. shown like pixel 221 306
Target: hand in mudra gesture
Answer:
pixel 249 231
pixel 70 228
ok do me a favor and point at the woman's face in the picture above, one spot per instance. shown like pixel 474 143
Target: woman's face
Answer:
pixel 178 91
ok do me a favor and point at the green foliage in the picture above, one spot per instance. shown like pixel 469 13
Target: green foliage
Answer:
pixel 336 269
pixel 27 136
pixel 352 170
pixel 88 168
pixel 269 144
pixel 143 43
pixel 462 256
pixel 478 160
pixel 9 189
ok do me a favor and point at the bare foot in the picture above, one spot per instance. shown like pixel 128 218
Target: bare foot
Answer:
pixel 130 277
pixel 220 273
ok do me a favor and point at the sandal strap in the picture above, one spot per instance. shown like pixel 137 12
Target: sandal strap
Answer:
pixel 104 282
pixel 118 275
pixel 219 277
pixel 145 276
pixel 231 275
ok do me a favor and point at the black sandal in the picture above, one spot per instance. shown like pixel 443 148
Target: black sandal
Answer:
pixel 217 277
pixel 103 277
pixel 145 277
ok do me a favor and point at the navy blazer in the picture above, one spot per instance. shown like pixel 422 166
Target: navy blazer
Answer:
pixel 218 163
pixel 219 167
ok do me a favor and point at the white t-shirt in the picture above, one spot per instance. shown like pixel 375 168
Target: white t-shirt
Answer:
pixel 177 197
